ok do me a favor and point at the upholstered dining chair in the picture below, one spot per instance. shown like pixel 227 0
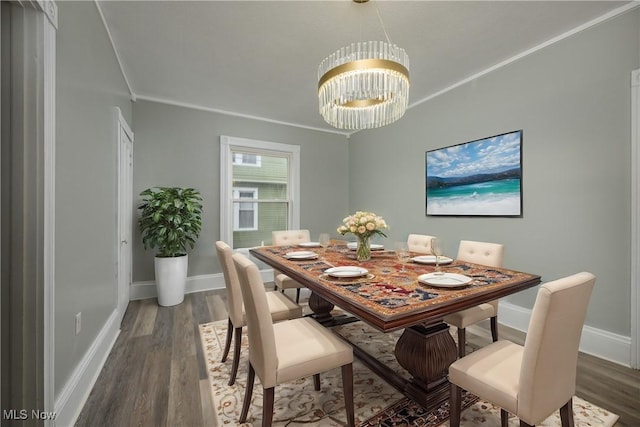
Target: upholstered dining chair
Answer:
pixel 420 243
pixel 534 380
pixel 282 238
pixel 286 351
pixel 489 254
pixel 280 307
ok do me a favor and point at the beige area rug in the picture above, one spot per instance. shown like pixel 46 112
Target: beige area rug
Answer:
pixel 376 402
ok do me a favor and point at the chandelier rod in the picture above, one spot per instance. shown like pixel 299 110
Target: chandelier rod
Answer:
pixel 382 24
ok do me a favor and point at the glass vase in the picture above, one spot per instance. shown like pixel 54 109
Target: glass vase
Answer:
pixel 363 251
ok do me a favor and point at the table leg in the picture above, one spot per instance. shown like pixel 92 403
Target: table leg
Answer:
pixel 321 308
pixel 322 312
pixel 426 353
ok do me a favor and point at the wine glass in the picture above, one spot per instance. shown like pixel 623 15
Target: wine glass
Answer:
pixel 324 240
pixel 403 254
pixel 436 250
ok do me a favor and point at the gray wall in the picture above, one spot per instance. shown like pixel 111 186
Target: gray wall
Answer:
pixel 177 146
pixel 89 86
pixel 572 100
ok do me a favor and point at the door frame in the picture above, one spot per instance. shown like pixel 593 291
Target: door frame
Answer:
pixel 125 209
pixel 635 219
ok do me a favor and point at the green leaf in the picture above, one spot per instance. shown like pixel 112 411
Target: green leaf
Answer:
pixel 170 219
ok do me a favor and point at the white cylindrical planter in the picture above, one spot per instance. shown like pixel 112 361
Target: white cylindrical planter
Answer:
pixel 171 279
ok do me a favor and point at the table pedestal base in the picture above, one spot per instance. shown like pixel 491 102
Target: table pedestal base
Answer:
pixel 426 353
pixel 321 309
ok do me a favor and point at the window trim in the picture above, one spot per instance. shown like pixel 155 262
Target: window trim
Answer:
pixel 228 144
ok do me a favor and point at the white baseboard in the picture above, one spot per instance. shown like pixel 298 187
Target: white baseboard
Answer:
pixel 597 342
pixel 75 392
pixel 147 289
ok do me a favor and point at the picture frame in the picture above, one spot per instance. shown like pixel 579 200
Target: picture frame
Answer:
pixel 480 178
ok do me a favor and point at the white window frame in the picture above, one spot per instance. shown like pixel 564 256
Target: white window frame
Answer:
pixel 236 207
pixel 228 145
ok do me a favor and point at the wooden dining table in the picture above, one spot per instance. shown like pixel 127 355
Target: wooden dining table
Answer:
pixel 390 297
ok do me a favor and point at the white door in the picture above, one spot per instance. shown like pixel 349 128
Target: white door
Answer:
pixel 125 211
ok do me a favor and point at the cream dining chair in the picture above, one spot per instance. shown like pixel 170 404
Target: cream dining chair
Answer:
pixel 280 307
pixel 420 243
pixel 534 380
pixel 282 238
pixel 489 254
pixel 286 351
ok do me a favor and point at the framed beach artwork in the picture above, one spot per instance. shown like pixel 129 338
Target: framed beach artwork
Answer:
pixel 476 178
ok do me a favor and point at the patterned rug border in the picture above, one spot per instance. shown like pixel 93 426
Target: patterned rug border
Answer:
pixel 227 400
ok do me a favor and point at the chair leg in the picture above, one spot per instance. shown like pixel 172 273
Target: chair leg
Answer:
pixel 247 394
pixel 566 414
pixel 462 339
pixel 347 387
pixel 494 328
pixel 227 345
pixel 316 382
pixel 504 418
pixel 236 355
pixel 298 296
pixel 455 398
pixel 267 406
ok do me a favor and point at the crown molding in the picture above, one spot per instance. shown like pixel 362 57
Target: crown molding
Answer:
pixel 232 113
pixel 115 50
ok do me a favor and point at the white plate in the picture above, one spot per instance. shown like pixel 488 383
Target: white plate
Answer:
pixel 346 271
pixel 444 280
pixel 374 246
pixel 309 244
pixel 431 259
pixel 301 255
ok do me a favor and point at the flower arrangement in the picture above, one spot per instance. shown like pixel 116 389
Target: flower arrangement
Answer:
pixel 363 225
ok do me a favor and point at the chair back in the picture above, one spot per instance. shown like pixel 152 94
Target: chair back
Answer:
pixel 420 243
pixel 548 371
pixel 262 342
pixel 234 294
pixel 290 237
pixel 483 253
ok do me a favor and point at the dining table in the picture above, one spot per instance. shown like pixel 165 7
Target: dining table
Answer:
pixel 390 295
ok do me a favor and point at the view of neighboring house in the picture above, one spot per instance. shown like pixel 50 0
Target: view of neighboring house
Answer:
pixel 260 193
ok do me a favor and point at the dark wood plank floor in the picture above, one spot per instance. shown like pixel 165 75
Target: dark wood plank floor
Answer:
pixel 155 375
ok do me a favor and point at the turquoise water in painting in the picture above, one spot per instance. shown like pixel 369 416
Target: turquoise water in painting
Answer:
pixel 485 198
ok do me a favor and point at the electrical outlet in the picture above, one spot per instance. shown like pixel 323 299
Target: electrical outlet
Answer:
pixel 78 323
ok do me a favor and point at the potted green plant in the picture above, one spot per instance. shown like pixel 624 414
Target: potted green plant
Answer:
pixel 170 221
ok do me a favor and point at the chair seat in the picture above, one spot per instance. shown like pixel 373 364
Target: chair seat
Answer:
pixel 463 319
pixel 491 372
pixel 281 307
pixel 305 348
pixel 285 282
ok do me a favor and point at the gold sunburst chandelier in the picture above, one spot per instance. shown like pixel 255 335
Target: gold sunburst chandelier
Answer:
pixel 364 85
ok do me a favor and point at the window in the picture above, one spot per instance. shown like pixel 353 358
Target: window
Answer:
pixel 259 190
pixel 245 214
pixel 247 159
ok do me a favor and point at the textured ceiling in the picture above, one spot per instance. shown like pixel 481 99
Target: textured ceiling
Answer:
pixel 260 58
